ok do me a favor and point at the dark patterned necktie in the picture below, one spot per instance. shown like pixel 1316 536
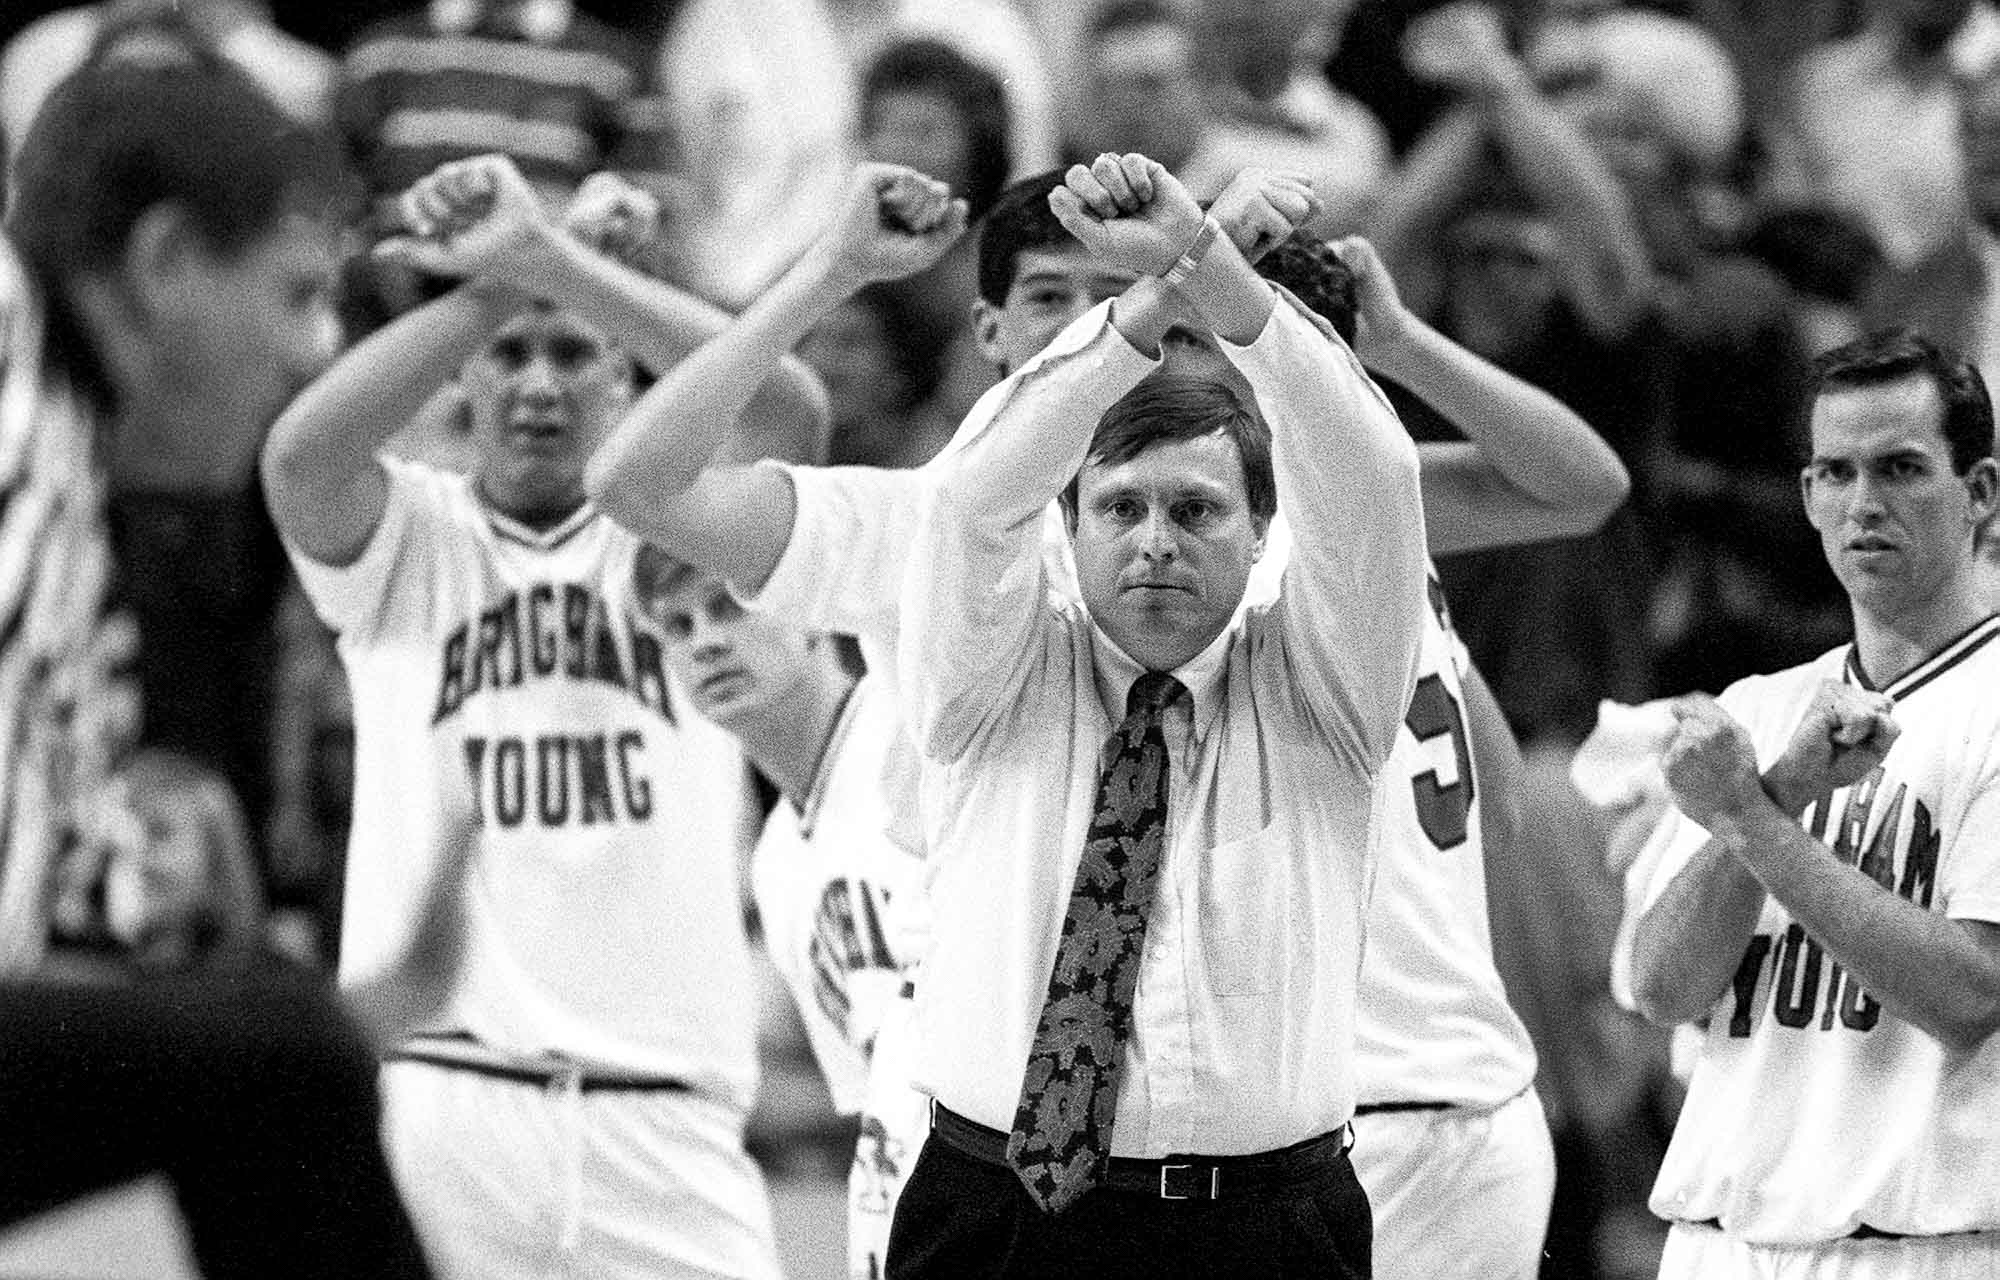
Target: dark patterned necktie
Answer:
pixel 1069 1095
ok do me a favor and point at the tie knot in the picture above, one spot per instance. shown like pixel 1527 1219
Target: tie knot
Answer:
pixel 1153 692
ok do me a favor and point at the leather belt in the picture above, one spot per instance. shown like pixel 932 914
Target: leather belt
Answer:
pixel 547 1073
pixel 1379 1108
pixel 1176 1177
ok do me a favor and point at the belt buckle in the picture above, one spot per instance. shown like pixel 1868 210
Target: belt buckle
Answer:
pixel 1214 1184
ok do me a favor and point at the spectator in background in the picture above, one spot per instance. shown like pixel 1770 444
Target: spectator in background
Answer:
pixel 1873 128
pixel 1979 135
pixel 1266 66
pixel 764 99
pixel 557 91
pixel 1519 240
pixel 297 76
pixel 879 377
pixel 925 106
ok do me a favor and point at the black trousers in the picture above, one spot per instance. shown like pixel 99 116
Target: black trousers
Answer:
pixel 247 1088
pixel 961 1218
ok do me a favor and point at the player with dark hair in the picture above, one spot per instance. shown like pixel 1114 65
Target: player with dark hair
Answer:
pixel 163 216
pixel 1829 899
pixel 492 617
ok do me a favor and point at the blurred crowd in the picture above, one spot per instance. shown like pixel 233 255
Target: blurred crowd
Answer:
pixel 1656 212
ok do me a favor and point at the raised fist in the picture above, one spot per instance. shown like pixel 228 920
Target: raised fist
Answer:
pixel 1380 318
pixel 1842 739
pixel 1260 208
pixel 892 222
pixel 1710 766
pixel 1460 46
pixel 613 216
pixel 466 218
pixel 1128 211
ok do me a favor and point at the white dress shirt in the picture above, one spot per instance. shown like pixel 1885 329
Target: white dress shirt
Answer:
pixel 1244 1022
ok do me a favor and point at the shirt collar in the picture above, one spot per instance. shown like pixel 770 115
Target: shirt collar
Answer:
pixel 537 21
pixel 1115 670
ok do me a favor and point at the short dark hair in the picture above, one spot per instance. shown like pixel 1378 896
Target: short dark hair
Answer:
pixel 118 139
pixel 1314 274
pixel 1889 355
pixel 935 68
pixel 657 573
pixel 1167 408
pixel 1019 222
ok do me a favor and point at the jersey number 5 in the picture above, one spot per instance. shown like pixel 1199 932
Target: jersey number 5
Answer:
pixel 1441 809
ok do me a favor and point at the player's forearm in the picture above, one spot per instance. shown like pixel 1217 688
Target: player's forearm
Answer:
pixel 1026 437
pixel 331 433
pixel 1354 595
pixel 1688 945
pixel 1940 974
pixel 1231 298
pixel 1530 451
pixel 681 423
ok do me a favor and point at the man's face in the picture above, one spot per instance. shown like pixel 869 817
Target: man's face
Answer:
pixel 162 879
pixel 1895 521
pixel 922 130
pixel 733 662
pixel 1051 288
pixel 1146 93
pixel 542 394
pixel 1164 544
pixel 254 327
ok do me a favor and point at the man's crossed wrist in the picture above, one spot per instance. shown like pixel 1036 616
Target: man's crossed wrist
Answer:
pixel 1191 257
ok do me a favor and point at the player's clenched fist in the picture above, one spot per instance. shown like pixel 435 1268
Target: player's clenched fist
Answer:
pixel 613 216
pixel 1710 765
pixel 1128 210
pixel 1842 739
pixel 1261 207
pixel 1380 318
pixel 892 222
pixel 466 217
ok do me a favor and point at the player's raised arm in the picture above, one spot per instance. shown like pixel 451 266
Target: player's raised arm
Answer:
pixel 326 488
pixel 1530 469
pixel 658 474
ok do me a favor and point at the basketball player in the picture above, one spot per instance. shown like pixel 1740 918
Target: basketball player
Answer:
pixel 581 1107
pixel 1836 919
pixel 830 885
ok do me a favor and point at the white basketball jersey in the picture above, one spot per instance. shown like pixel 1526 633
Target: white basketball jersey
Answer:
pixel 1432 1019
pixel 511 670
pixel 1813 1109
pixel 831 891
pixel 1434 1024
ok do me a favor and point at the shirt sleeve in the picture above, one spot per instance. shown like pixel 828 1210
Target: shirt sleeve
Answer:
pixel 1350 615
pixel 353 599
pixel 1972 877
pixel 842 568
pixel 974 591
